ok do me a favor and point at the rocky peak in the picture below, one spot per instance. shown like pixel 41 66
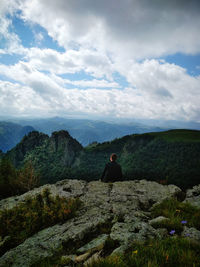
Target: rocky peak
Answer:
pixel 27 144
pixel 62 139
pixel 62 143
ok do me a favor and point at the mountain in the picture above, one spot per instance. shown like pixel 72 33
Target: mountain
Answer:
pixel 52 156
pixel 172 124
pixel 89 131
pixel 169 157
pixel 11 134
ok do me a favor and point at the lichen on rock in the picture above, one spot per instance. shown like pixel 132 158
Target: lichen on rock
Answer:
pixel 120 211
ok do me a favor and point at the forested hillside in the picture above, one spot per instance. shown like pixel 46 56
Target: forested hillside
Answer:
pixel 167 157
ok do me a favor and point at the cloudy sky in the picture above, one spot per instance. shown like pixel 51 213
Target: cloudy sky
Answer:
pixel 100 58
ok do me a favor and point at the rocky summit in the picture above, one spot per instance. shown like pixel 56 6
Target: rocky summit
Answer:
pixel 119 211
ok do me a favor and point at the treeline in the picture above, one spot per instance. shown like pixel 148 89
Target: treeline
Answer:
pixel 13 181
pixel 145 157
pixel 173 162
pixel 171 157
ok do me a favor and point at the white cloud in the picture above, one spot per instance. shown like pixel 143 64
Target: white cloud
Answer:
pixel 85 83
pixel 71 61
pixel 159 90
pixel 134 29
pixel 101 38
pixel 93 83
pixel 18 100
pixel 39 37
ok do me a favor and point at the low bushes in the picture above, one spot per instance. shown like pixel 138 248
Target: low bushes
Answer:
pixel 34 215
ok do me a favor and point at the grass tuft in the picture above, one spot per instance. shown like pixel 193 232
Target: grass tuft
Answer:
pixel 156 253
pixel 179 214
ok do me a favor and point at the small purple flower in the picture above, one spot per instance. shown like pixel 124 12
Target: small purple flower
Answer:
pixel 172 232
pixel 183 222
pixel 187 234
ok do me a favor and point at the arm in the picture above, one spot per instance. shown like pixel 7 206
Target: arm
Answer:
pixel 103 174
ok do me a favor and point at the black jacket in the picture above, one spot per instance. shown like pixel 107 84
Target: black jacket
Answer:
pixel 112 172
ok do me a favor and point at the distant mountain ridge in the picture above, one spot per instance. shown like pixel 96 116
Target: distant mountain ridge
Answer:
pixel 171 156
pixel 11 134
pixel 88 131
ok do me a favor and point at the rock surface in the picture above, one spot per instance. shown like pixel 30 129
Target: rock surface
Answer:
pixel 193 196
pixel 191 233
pixel 119 211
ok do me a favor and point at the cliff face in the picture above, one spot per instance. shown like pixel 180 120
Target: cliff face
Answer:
pixel 51 156
pixel 62 142
pixel 120 211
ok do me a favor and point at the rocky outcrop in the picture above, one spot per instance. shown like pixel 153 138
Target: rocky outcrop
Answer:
pixel 116 213
pixel 62 142
pixel 193 196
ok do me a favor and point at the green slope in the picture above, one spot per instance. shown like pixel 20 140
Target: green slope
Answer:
pixel 172 156
pixel 179 135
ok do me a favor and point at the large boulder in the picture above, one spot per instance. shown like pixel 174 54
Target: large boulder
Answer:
pixel 118 211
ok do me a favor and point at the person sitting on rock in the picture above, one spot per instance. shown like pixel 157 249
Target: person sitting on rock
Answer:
pixel 112 171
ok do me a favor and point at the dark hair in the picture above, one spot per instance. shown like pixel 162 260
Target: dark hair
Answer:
pixel 113 156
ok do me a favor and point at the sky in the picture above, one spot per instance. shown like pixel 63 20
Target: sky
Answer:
pixel 135 59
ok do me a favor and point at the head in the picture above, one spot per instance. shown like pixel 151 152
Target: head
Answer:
pixel 113 157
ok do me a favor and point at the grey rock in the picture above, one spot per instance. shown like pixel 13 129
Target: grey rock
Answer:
pixel 83 257
pixel 193 196
pixel 191 234
pixel 128 232
pixel 65 188
pixel 50 241
pixel 120 250
pixel 94 258
pixel 159 219
pixel 95 244
pixel 161 233
pixel 122 207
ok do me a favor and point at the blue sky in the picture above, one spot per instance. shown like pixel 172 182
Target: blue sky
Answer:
pixel 134 59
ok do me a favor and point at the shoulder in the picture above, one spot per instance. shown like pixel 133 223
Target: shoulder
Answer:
pixel 107 164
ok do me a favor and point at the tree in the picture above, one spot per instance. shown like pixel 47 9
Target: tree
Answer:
pixel 27 177
pixel 8 177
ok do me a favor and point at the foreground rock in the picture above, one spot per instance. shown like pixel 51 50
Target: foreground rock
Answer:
pixel 118 212
pixel 193 196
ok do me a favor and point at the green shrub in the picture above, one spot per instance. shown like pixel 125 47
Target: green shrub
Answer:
pixel 15 182
pixel 34 215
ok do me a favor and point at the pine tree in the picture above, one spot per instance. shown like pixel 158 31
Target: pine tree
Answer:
pixel 27 177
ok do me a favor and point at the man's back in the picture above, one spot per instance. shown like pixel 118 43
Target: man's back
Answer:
pixel 112 172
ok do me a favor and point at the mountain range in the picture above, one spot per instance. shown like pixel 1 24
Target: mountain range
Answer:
pixel 85 131
pixel 168 157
